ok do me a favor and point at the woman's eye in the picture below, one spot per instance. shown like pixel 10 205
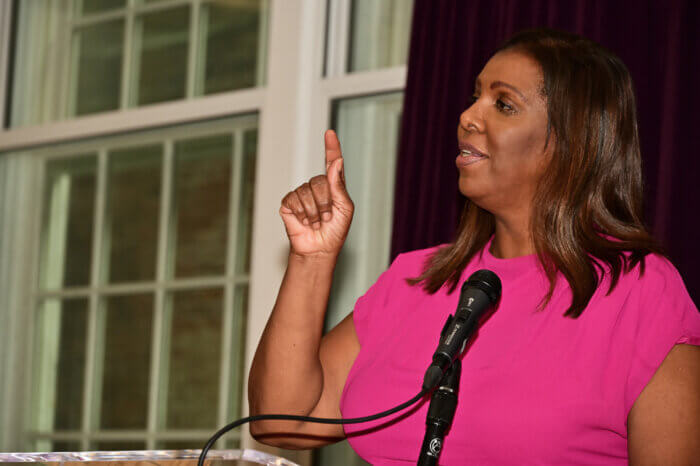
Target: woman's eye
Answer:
pixel 504 107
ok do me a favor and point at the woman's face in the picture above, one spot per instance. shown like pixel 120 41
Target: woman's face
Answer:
pixel 507 125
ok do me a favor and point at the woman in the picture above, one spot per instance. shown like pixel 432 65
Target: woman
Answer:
pixel 591 355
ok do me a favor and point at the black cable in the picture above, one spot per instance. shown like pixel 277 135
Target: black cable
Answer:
pixel 294 417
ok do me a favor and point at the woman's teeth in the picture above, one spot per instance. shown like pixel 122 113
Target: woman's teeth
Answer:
pixel 466 153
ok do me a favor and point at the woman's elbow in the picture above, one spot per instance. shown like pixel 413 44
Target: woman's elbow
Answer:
pixel 290 435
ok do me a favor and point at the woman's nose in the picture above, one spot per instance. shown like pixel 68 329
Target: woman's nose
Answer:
pixel 470 120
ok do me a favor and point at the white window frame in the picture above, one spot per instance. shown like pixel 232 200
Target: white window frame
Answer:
pixel 58 94
pixel 161 288
pixel 294 111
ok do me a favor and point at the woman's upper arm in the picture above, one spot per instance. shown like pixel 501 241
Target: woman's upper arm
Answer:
pixel 664 422
pixel 338 351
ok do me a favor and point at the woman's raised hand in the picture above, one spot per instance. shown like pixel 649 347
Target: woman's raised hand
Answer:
pixel 318 213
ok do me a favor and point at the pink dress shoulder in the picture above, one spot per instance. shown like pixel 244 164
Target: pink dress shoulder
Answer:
pixel 536 387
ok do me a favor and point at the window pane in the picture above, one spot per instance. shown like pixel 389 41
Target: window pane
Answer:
pixel 202 178
pixel 379 33
pixel 127 361
pixel 133 199
pixel 368 127
pixel 62 333
pixel 97 80
pixel 98 6
pixel 163 55
pixel 195 359
pixel 232 36
pixel 240 314
pixel 69 204
pixel 245 208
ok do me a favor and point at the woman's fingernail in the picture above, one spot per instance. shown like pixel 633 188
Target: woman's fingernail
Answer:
pixel 305 221
pixel 326 216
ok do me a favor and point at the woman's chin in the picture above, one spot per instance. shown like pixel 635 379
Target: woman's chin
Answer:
pixel 469 190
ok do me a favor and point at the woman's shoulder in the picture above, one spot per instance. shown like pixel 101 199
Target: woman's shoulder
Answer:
pixel 656 285
pixel 657 271
pixel 413 262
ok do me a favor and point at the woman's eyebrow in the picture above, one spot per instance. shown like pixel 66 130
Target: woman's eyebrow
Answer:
pixel 509 86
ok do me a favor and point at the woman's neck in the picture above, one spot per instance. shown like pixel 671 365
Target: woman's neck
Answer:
pixel 511 240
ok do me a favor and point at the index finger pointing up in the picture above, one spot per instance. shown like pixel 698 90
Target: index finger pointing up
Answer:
pixel 332 148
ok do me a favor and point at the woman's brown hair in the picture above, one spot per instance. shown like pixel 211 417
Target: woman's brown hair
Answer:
pixel 587 212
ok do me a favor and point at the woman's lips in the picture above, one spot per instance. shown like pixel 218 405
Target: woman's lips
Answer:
pixel 469 154
pixel 465 146
pixel 466 157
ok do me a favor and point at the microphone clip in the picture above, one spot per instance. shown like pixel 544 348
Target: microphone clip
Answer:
pixel 441 412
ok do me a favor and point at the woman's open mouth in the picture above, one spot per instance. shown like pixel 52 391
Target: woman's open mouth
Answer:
pixel 467 157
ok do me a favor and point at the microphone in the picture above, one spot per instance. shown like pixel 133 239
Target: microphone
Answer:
pixel 480 292
pixel 440 414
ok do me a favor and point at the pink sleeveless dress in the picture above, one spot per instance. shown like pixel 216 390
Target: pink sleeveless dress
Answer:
pixel 536 387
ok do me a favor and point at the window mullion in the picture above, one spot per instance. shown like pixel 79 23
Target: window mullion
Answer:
pixel 5 41
pixel 338 37
pixel 67 86
pixel 263 25
pixel 95 18
pixel 93 361
pixel 129 66
pixel 227 336
pixel 193 58
pixel 158 350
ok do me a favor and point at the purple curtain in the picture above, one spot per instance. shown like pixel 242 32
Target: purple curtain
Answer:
pixel 452 40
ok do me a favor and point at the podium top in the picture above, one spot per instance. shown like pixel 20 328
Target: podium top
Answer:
pixel 152 457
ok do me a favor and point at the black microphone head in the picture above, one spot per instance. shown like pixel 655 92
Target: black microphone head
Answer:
pixel 486 281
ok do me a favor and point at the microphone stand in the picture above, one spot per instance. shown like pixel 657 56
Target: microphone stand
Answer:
pixel 441 411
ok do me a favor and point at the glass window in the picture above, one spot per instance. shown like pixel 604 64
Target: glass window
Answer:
pixel 195 359
pixel 125 335
pixel 366 35
pixel 368 129
pixel 99 51
pixel 62 332
pixel 133 185
pixel 379 34
pixel 142 301
pixel 230 42
pixel 202 175
pixel 161 63
pixel 69 206
pixel 106 55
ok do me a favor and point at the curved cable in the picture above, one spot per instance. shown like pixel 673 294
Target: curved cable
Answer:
pixel 295 417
